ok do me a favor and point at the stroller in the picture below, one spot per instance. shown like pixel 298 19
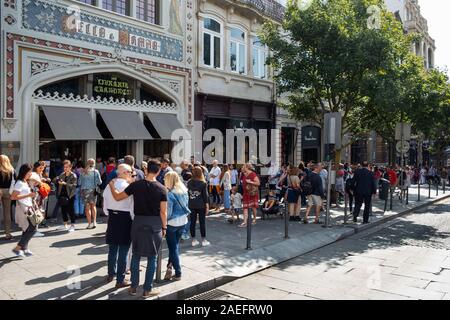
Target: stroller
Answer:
pixel 276 209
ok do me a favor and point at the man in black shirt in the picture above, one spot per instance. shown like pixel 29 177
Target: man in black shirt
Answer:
pixel 149 225
pixel 364 184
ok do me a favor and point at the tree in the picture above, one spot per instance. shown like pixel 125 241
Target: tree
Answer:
pixel 328 56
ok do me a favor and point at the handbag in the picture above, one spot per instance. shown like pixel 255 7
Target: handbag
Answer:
pixel 251 189
pixel 34 214
pixel 97 190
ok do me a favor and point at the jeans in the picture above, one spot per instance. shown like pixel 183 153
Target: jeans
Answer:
pixel 79 203
pixel 149 274
pixel 215 194
pixel 68 211
pixel 117 261
pixel 26 236
pixel 359 199
pixel 173 237
pixel 226 199
pixel 202 217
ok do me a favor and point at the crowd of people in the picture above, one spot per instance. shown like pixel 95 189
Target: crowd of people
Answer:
pixel 160 199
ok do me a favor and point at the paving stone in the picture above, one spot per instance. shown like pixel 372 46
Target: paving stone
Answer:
pixel 439 286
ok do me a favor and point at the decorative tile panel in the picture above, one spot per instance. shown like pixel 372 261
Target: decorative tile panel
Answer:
pixel 59 20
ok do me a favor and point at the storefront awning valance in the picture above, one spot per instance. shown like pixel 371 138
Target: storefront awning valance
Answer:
pixel 71 123
pixel 164 124
pixel 125 125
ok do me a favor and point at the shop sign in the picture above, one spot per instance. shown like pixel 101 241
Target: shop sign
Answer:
pixel 112 87
pixel 310 137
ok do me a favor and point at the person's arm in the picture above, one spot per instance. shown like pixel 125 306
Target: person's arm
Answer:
pixel 205 197
pixel 99 178
pixel 106 196
pixel 72 183
pixel 118 196
pixel 17 196
pixel 163 215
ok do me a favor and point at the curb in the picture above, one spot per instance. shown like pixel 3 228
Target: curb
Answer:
pixel 214 283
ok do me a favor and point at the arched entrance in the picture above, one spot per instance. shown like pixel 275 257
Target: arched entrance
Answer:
pixel 118 90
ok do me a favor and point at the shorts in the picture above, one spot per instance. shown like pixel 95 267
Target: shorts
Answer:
pixel 89 196
pixel 314 200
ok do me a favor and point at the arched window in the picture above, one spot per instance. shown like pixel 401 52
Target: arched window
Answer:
pixel 259 58
pixel 238 52
pixel 212 43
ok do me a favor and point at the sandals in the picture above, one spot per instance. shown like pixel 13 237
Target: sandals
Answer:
pixel 9 237
pixel 242 225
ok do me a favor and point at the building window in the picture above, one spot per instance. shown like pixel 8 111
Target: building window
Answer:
pixel 212 43
pixel 148 10
pixel 259 58
pixel 238 56
pixel 91 2
pixel 118 6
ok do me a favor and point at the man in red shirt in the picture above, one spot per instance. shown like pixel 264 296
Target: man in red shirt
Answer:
pixel 392 176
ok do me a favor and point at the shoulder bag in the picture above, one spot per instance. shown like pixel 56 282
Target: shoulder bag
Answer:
pixel 251 189
pixel 34 214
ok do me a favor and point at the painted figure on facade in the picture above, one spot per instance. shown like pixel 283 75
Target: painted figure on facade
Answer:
pixel 175 17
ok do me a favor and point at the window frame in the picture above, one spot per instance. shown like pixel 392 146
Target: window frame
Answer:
pixel 114 7
pixel 213 35
pixel 157 4
pixel 262 53
pixel 239 44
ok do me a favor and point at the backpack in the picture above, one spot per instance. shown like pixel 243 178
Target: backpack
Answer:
pixel 350 184
pixel 306 186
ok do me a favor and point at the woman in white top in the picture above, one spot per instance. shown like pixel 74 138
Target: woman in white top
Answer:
pixel 24 197
pixel 226 183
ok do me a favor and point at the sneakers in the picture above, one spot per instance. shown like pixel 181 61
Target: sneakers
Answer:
pixel 168 275
pixel 176 278
pixel 18 253
pixel 185 237
pixel 122 285
pixel 205 243
pixel 62 228
pixel 89 226
pixel 195 243
pixel 28 253
pixel 38 234
pixel 148 294
pixel 132 291
pixel 71 229
pixel 94 225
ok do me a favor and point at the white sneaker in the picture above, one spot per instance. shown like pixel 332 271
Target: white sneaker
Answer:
pixel 63 228
pixel 28 253
pixel 19 253
pixel 71 229
pixel 205 243
pixel 195 243
pixel 38 234
pixel 88 226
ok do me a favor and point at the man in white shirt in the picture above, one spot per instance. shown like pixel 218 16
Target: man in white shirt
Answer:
pixel 214 184
pixel 118 234
pixel 274 175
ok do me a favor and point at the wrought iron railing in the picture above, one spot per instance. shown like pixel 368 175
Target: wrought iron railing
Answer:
pixel 269 8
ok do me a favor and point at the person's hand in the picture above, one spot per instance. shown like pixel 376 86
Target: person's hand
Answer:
pixel 249 181
pixel 32 194
pixel 164 232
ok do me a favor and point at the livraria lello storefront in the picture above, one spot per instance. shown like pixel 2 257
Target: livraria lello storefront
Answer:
pixel 94 78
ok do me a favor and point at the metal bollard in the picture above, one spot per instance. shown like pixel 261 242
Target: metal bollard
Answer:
pixel 437 189
pixel 345 208
pixel 392 194
pixel 418 191
pixel 407 195
pixel 159 264
pixel 249 229
pixel 443 186
pixel 286 221
pixel 429 190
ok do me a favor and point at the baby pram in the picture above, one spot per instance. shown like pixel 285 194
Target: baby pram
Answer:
pixel 276 209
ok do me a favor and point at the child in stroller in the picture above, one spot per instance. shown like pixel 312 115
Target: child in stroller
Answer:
pixel 271 205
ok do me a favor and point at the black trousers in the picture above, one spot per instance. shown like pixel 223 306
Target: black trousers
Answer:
pixel 26 236
pixel 351 197
pixel 69 210
pixel 202 217
pixel 367 204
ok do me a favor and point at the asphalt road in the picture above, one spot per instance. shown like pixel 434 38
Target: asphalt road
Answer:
pixel 407 258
